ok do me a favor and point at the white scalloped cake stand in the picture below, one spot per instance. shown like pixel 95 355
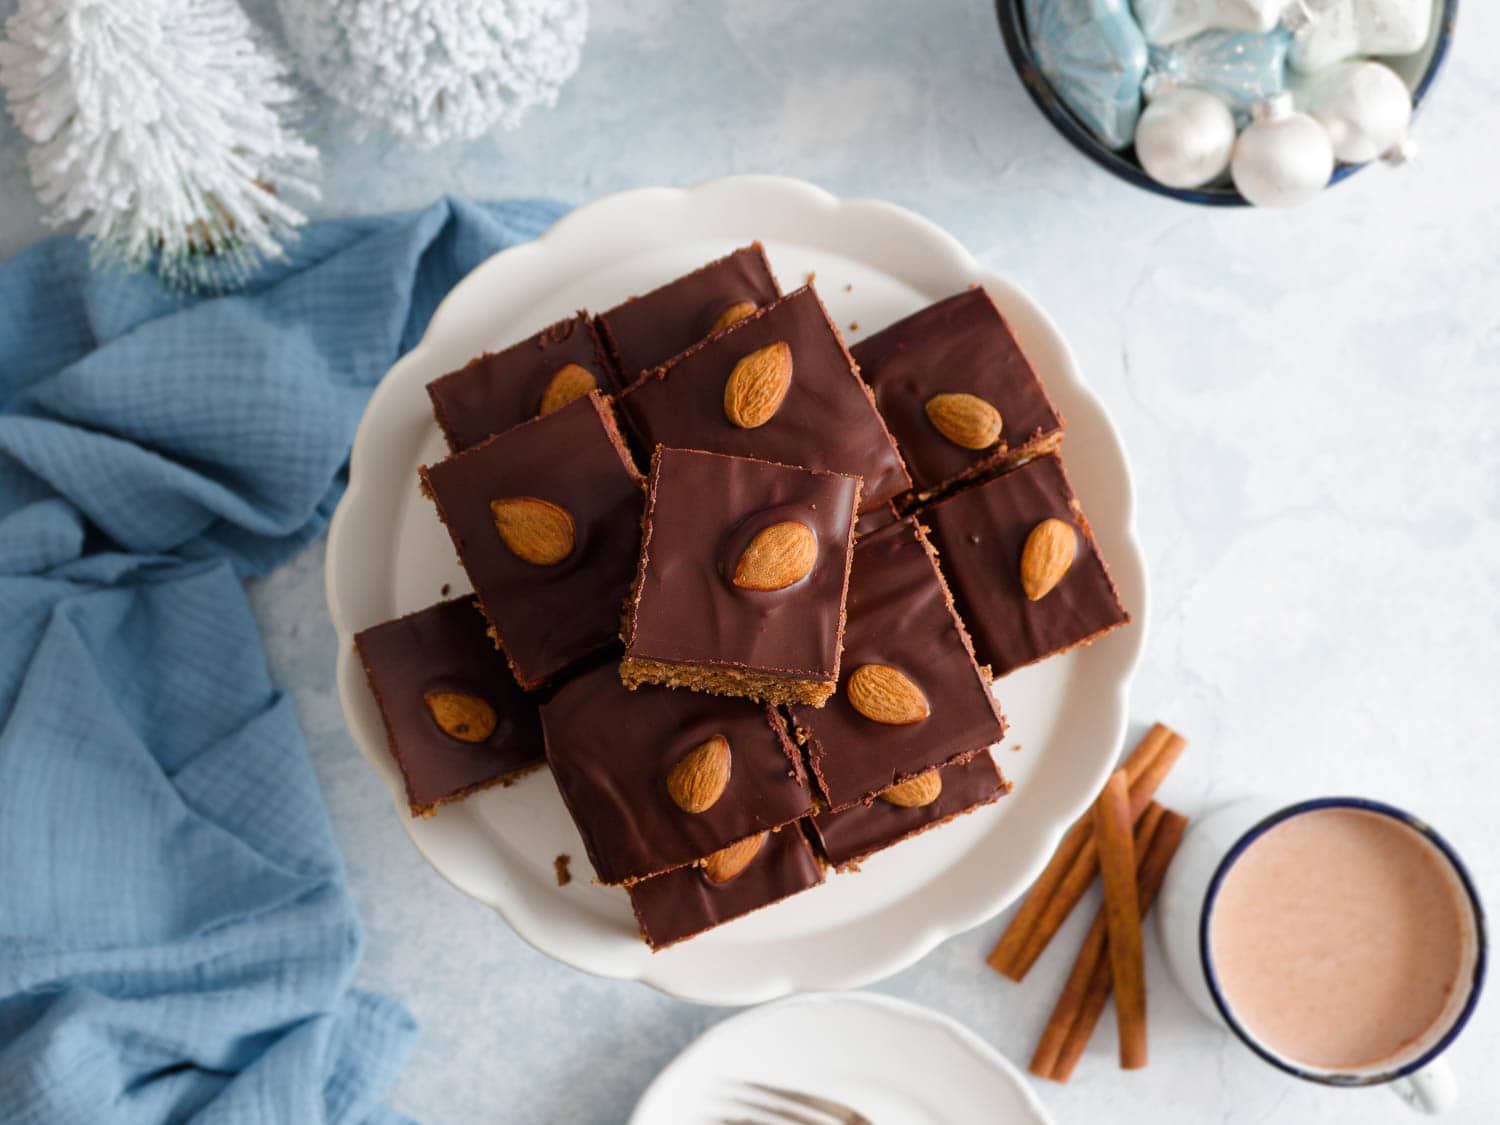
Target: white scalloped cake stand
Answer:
pixel 387 555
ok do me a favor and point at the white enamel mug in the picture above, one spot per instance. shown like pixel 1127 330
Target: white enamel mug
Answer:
pixel 1185 911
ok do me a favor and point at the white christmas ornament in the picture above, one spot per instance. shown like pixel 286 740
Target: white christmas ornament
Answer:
pixel 1340 29
pixel 438 70
pixel 1185 137
pixel 1167 21
pixel 1365 107
pixel 156 129
pixel 1283 157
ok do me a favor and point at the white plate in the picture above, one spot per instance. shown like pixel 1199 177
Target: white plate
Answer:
pixel 895 1062
pixel 387 555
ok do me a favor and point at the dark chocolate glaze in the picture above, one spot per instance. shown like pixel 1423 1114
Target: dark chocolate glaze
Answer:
pixel 611 750
pixel 979 534
pixel 446 648
pixel 702 509
pixel 873 519
pixel 851 834
pixel 899 614
pixel 960 344
pixel 503 389
pixel 547 617
pixel 649 330
pixel 683 903
pixel 828 419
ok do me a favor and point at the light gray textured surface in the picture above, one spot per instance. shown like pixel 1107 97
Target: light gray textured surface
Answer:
pixel 1310 401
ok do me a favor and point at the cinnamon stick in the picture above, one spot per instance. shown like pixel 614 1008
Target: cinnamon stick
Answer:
pixel 1035 926
pixel 1090 957
pixel 1122 916
pixel 1020 944
pixel 1004 958
pixel 1075 884
pixel 1150 873
pixel 1147 778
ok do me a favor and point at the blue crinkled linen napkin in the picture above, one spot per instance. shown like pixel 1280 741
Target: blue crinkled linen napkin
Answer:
pixel 176 936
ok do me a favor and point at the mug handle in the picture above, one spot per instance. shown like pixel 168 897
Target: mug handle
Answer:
pixel 1431 1090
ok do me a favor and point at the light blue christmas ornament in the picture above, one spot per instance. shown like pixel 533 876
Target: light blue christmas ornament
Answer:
pixel 1241 67
pixel 1094 56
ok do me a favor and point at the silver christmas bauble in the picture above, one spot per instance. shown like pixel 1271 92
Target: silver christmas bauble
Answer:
pixel 1283 157
pixel 1364 105
pixel 1185 137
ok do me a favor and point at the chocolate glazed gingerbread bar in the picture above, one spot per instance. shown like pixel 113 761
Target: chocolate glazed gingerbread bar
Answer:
pixel 657 779
pixel 546 522
pixel 762 870
pixel 910 696
pixel 649 330
pixel 958 393
pixel 455 720
pixel 1026 573
pixel 743 570
pixel 541 374
pixel 851 835
pixel 779 386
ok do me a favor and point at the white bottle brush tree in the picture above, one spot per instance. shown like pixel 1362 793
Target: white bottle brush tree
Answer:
pixel 159 132
pixel 431 71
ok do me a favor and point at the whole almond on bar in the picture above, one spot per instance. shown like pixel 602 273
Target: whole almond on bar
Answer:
pixel 733 315
pixel 1046 557
pixel 915 792
pixel 698 780
pixel 536 531
pixel 460 715
pixel 728 862
pixel 570 382
pixel 758 385
pixel 778 557
pixel 886 695
pixel 964 419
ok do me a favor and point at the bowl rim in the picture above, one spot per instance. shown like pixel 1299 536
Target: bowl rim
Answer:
pixel 1017 45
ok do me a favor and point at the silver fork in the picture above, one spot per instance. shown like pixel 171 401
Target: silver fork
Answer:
pixel 777 1104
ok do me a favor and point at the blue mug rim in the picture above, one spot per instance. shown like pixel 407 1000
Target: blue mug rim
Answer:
pixel 1427 832
pixel 1018 46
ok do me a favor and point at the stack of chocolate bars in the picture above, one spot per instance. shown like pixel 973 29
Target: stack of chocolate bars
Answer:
pixel 742 590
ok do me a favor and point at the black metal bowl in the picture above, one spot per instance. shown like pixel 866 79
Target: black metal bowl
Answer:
pixel 1417 70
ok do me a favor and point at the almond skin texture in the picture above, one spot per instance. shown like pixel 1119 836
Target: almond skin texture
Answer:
pixel 916 792
pixel 460 715
pixel 728 862
pixel 884 695
pixel 733 315
pixel 780 556
pixel 965 420
pixel 758 385
pixel 1046 557
pixel 571 381
pixel 536 531
pixel 698 780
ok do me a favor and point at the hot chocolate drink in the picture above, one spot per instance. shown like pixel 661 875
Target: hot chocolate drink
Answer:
pixel 1342 940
